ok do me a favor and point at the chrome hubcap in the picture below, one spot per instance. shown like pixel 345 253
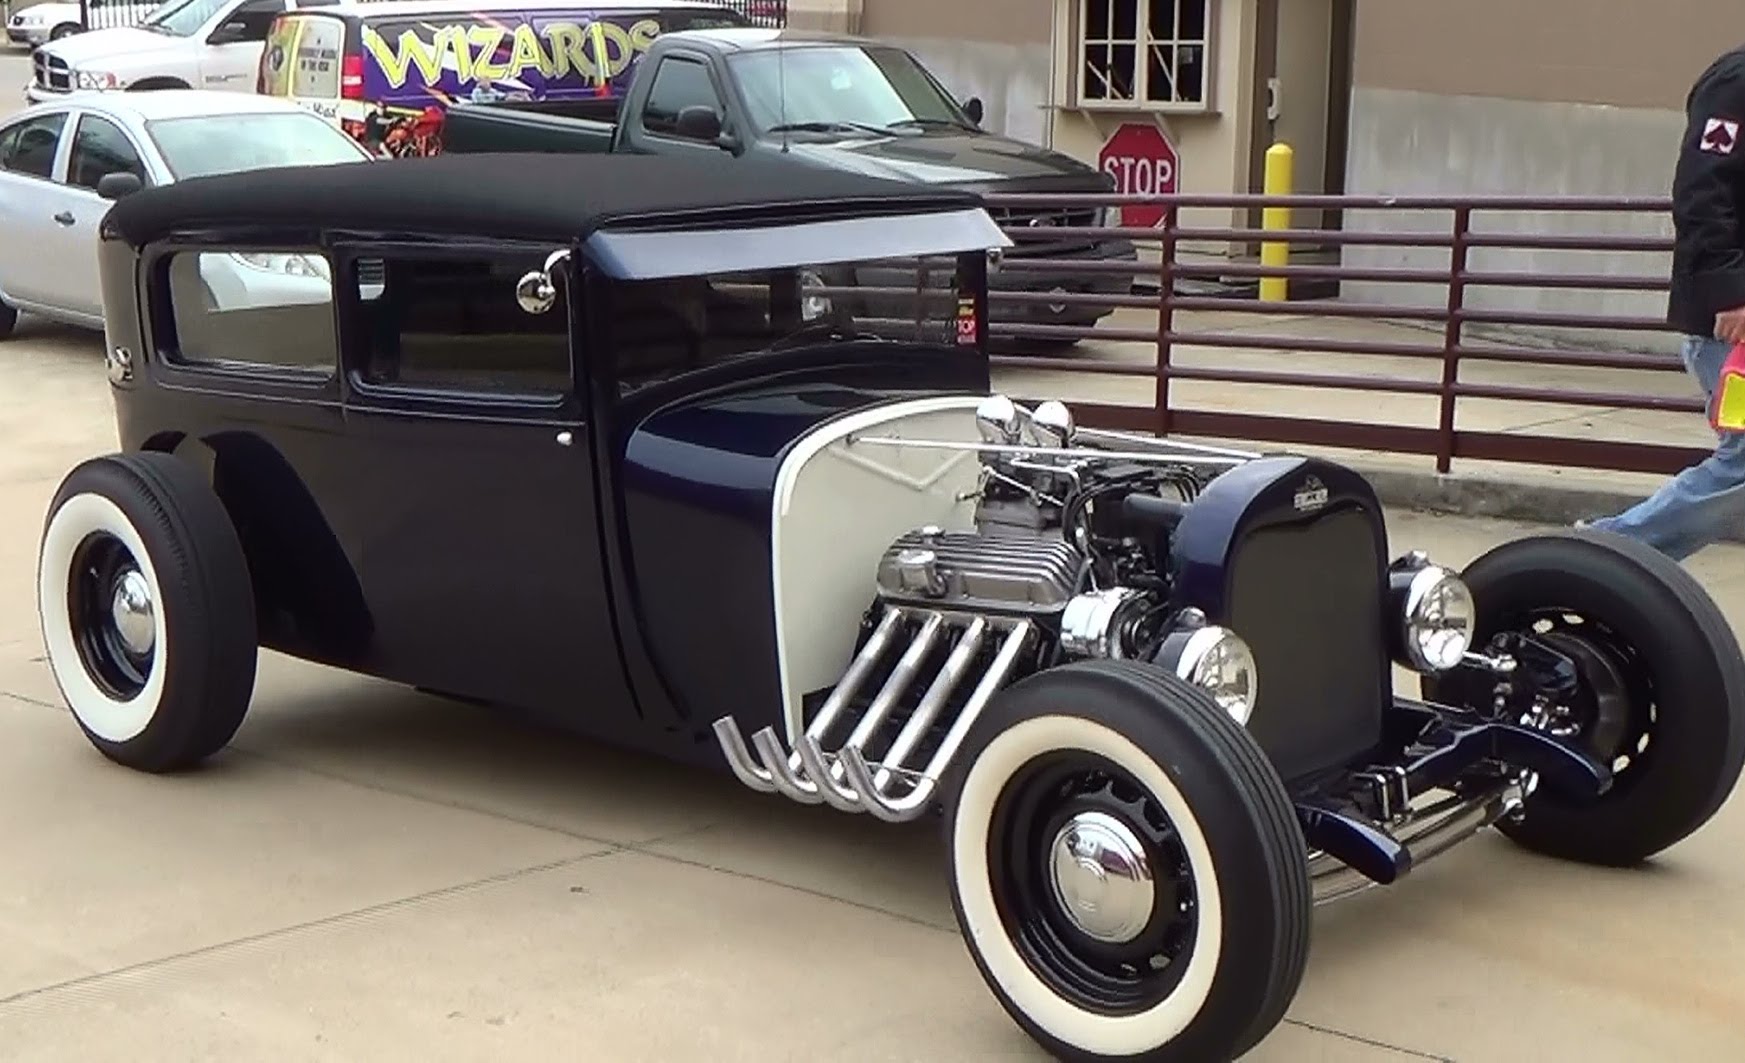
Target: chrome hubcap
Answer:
pixel 134 613
pixel 1102 878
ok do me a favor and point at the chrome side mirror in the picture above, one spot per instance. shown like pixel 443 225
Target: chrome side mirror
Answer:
pixel 535 291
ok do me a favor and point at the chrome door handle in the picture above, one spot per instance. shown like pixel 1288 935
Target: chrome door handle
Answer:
pixel 65 217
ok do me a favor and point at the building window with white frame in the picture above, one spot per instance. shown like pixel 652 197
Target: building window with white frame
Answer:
pixel 1143 54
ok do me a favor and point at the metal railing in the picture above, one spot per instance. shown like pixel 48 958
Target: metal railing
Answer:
pixel 113 14
pixel 1434 348
pixel 770 13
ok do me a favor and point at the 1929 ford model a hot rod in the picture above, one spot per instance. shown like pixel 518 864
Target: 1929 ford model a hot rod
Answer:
pixel 597 452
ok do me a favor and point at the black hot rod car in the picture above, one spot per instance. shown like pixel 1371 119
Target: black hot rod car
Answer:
pixel 578 450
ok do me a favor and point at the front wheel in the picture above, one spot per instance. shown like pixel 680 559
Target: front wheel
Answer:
pixel 147 610
pixel 1126 867
pixel 64 30
pixel 1660 697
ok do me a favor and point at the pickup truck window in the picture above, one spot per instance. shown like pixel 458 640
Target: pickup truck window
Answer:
pixel 183 18
pixel 678 83
pixel 256 17
pixel 842 86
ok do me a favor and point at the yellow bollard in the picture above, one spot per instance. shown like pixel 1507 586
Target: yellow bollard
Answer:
pixel 1280 161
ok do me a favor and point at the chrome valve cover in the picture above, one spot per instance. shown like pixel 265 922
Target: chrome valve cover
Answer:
pixel 971 571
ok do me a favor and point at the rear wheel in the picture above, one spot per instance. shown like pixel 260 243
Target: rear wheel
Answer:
pixel 1127 869
pixel 1660 697
pixel 147 611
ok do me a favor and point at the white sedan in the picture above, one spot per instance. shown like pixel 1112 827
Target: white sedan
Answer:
pixel 40 23
pixel 54 158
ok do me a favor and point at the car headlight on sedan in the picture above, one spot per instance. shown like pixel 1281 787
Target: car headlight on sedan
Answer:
pixel 290 265
pixel 1216 660
pixel 97 80
pixel 1437 614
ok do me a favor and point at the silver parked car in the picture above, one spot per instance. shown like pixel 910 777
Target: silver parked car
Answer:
pixel 62 162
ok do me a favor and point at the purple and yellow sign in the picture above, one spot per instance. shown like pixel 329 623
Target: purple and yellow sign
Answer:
pixel 504 55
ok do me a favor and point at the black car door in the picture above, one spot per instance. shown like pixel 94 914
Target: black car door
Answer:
pixel 475 504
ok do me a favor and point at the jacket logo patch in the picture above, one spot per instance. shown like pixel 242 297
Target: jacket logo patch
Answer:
pixel 1720 136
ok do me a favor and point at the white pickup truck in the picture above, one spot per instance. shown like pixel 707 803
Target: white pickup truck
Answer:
pixel 199 44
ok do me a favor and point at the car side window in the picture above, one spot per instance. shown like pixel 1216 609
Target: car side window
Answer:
pixel 453 323
pixel 254 309
pixel 100 148
pixel 32 146
pixel 678 83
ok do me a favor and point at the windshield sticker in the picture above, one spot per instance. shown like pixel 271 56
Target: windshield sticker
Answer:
pixel 486 59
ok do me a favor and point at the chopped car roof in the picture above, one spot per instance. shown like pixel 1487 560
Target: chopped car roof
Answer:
pixel 545 197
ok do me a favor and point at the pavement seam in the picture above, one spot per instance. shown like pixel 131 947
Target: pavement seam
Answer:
pixel 1370 1041
pixel 337 919
pixel 27 700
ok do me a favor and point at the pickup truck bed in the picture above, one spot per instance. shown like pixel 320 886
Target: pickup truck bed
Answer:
pixel 477 128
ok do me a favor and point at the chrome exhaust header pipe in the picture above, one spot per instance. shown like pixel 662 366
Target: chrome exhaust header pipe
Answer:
pixel 922 787
pixel 845 780
pixel 1427 834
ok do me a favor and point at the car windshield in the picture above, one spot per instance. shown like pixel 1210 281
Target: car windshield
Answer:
pixel 182 18
pixel 221 143
pixel 842 89
pixel 662 329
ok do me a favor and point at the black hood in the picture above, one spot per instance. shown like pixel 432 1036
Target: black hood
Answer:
pixel 978 161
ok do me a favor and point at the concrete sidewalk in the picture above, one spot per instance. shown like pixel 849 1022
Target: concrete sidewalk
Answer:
pixel 1485 488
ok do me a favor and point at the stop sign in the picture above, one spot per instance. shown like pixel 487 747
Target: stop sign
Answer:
pixel 1143 162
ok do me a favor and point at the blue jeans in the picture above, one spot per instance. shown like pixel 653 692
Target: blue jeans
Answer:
pixel 1705 501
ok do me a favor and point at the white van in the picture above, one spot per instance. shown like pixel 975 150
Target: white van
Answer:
pixel 182 44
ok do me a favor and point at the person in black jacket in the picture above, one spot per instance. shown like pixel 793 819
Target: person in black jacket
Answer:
pixel 1707 305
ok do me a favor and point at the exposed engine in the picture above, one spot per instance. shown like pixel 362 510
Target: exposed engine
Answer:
pixel 1078 543
pixel 1068 559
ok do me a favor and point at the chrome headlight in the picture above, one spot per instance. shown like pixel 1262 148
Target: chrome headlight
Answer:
pixel 1437 617
pixel 291 265
pixel 1218 661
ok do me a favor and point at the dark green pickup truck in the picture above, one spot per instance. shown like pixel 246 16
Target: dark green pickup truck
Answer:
pixel 830 101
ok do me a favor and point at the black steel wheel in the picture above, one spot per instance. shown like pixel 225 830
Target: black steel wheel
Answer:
pixel 1127 868
pixel 1660 696
pixel 147 611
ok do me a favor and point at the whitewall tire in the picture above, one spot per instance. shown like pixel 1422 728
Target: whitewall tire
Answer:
pixel 1126 867
pixel 147 611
